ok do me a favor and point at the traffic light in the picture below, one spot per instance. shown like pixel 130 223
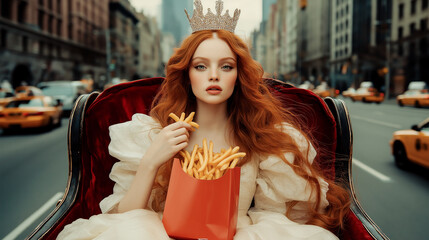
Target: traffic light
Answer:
pixel 303 4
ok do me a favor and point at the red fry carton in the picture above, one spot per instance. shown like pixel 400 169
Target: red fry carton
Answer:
pixel 201 209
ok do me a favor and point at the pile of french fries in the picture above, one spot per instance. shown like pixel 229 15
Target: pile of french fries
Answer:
pixel 202 162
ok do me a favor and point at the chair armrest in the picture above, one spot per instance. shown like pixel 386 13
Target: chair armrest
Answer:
pixel 343 163
pixel 75 169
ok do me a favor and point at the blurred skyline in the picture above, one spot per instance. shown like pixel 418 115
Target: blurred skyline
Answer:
pixel 250 17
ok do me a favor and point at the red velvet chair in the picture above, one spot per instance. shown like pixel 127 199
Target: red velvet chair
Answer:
pixel 90 162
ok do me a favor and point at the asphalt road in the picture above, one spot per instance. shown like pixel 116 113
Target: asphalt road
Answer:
pixel 34 168
pixel 398 203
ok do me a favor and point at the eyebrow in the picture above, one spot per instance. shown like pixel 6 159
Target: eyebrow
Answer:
pixel 206 59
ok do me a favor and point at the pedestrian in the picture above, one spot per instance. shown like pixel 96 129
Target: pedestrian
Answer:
pixel 212 74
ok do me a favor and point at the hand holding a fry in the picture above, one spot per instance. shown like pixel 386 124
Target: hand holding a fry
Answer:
pixel 202 162
pixel 167 144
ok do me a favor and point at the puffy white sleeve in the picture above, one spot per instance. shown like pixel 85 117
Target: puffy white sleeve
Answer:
pixel 278 184
pixel 128 143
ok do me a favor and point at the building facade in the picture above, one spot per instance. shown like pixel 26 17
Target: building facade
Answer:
pixel 316 41
pixel 52 39
pixel 124 39
pixel 410 43
pixel 149 48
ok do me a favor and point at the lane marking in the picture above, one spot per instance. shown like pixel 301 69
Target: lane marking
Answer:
pixel 25 224
pixel 371 171
pixel 392 125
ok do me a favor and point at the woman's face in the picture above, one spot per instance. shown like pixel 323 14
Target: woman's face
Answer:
pixel 213 71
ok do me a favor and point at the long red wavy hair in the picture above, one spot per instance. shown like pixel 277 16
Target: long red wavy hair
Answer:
pixel 254 115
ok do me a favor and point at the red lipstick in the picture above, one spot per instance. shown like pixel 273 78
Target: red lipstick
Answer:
pixel 214 90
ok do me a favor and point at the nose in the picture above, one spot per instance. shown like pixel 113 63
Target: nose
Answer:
pixel 214 75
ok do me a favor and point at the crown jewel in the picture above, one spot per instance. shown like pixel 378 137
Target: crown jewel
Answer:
pixel 212 21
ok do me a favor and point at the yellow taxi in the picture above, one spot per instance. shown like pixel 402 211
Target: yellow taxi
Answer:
pixel 23 91
pixel 348 92
pixel 5 97
pixel 417 95
pixel 411 145
pixel 31 112
pixel 323 90
pixel 367 93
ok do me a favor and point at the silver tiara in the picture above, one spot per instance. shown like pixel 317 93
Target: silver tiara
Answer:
pixel 212 21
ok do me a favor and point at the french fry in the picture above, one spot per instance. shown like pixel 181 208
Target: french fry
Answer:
pixel 191 162
pixel 182 117
pixel 202 163
pixel 210 151
pixel 190 117
pixel 174 117
pixel 223 156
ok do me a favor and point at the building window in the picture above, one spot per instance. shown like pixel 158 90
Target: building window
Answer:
pixel 41 2
pixel 400 32
pixel 50 4
pixel 59 6
pixel 5 9
pixel 423 46
pixel 22 7
pixel 70 31
pixel 425 4
pixel 25 44
pixel 413 6
pixel 412 49
pixel 347 38
pixel 400 50
pixel 58 51
pixel 3 38
pixel 41 21
pixel 412 28
pixel 401 11
pixel 59 27
pixel 424 24
pixel 42 48
pixel 50 23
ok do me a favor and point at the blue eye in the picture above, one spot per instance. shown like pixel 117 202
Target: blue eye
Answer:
pixel 200 67
pixel 227 67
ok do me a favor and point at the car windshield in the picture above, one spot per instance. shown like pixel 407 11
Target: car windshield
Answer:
pixel 366 84
pixel 5 94
pixel 25 103
pixel 412 92
pixel 58 90
pixel 362 90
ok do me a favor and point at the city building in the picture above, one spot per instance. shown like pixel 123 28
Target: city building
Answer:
pixel 124 39
pixel 315 43
pixel 354 57
pixel 149 48
pixel 410 41
pixel 174 19
pixel 52 39
pixel 266 8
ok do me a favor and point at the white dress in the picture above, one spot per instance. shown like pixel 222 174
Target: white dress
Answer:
pixel 270 181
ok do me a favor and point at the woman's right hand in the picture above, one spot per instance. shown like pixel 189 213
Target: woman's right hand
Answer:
pixel 167 144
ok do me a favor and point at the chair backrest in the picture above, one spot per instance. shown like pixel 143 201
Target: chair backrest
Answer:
pixel 90 162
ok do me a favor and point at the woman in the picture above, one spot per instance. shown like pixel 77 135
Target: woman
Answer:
pixel 213 74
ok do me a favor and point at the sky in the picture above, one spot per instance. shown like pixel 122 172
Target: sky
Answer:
pixel 250 17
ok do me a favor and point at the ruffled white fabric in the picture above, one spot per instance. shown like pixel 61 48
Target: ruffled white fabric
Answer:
pixel 270 181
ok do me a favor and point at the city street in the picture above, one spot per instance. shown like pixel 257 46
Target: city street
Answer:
pixel 34 168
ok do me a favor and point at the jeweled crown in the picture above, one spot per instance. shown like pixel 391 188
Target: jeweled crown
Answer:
pixel 212 21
